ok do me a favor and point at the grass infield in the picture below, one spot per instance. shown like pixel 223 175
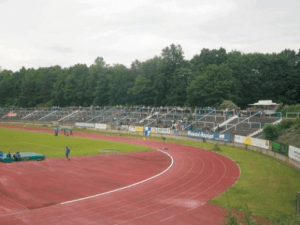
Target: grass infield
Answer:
pixel 47 144
pixel 267 187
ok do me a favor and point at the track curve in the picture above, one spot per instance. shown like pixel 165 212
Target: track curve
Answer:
pixel 178 196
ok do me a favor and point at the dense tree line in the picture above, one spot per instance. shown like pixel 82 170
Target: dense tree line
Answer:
pixel 206 80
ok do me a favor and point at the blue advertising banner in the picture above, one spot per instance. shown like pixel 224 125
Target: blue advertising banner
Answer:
pixel 209 135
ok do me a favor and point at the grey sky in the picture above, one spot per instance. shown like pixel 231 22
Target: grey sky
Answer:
pixel 42 33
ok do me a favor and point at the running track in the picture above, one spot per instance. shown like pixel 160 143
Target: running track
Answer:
pixel 53 193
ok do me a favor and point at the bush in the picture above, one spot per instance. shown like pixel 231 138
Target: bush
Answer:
pixel 227 104
pixel 231 219
pixel 293 219
pixel 289 108
pixel 285 124
pixel 297 123
pixel 235 219
pixel 216 147
pixel 271 132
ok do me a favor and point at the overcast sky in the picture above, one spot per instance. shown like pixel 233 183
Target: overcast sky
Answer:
pixel 43 33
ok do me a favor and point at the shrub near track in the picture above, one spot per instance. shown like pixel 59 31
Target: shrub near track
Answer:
pixel 44 143
pixel 267 187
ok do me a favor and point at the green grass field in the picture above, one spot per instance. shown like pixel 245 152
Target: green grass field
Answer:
pixel 51 146
pixel 267 187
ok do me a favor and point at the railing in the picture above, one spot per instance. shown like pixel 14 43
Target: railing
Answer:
pixel 101 114
pixel 215 117
pixel 129 114
pixel 261 130
pixel 225 122
pixel 207 123
pixel 197 120
pixel 115 115
pixel 68 116
pixel 30 115
pixel 50 114
pixel 159 117
pixel 292 113
pixel 250 125
pixel 242 121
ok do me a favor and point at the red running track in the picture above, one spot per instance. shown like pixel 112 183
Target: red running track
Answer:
pixel 178 196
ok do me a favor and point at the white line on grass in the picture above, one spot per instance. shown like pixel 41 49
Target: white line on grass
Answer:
pixel 122 188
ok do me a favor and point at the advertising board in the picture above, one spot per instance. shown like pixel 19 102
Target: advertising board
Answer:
pixel 101 126
pixel 92 125
pixel 294 153
pixel 209 135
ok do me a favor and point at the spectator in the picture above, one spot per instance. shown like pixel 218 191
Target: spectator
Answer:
pixel 17 156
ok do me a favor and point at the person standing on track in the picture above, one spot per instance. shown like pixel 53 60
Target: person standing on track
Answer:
pixel 56 131
pixel 67 153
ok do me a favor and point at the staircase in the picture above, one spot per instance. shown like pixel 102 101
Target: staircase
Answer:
pixel 29 115
pixel 68 116
pixel 261 130
pixel 225 122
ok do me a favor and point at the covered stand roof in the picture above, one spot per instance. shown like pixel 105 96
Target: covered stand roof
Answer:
pixel 264 103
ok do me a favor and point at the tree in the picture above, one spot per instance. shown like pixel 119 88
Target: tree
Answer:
pixel 177 94
pixel 119 81
pixel 212 87
pixel 29 93
pixel 208 57
pixel 285 78
pixel 172 58
pixel 57 93
pixel 6 88
pixel 98 82
pixel 76 86
pixel 142 91
pixel 247 74
pixel 150 70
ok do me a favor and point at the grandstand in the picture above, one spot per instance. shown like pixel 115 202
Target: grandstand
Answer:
pixel 120 117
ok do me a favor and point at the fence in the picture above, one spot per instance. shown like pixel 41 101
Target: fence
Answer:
pixel 292 113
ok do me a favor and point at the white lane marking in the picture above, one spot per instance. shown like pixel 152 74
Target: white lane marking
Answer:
pixel 122 188
pixel 168 218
